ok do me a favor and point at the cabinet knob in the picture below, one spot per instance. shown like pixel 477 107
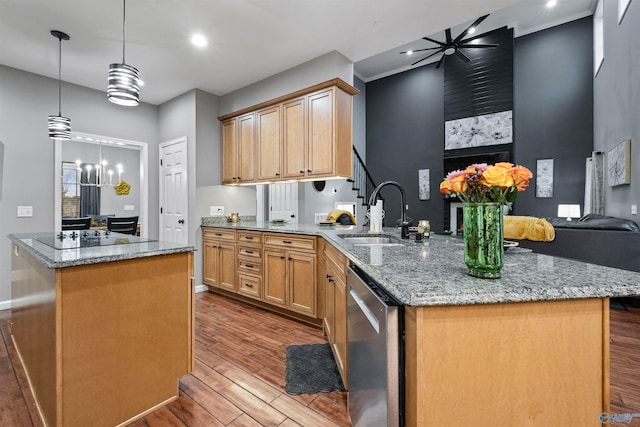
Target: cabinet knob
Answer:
pixel 308 170
pixel 281 257
pixel 239 178
pixel 277 174
pixel 302 171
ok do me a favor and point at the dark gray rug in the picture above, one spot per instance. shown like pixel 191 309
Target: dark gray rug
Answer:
pixel 311 369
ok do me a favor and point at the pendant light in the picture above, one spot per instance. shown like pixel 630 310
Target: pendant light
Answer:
pixel 123 80
pixel 59 126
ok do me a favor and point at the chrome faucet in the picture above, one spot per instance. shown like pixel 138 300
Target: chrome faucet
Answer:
pixel 404 224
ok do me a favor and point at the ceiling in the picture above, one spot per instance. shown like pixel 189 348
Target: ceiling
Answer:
pixel 249 40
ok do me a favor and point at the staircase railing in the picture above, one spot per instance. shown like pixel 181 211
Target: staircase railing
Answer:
pixel 362 182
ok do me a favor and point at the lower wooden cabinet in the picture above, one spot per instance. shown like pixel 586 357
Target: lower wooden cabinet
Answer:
pixel 290 280
pixel 335 307
pixel 219 260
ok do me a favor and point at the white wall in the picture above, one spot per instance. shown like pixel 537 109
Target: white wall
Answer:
pixel 26 100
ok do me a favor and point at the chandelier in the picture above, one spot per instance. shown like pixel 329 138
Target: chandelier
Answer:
pixel 100 173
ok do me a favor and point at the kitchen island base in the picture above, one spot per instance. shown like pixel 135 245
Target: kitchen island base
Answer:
pixel 519 364
pixel 103 344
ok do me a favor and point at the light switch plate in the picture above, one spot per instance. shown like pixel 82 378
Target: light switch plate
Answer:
pixel 216 210
pixel 634 209
pixel 129 207
pixel 25 211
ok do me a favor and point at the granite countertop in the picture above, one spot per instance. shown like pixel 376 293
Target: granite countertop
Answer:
pixel 433 272
pixel 59 258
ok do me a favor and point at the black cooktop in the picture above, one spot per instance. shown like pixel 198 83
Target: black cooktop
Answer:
pixel 87 238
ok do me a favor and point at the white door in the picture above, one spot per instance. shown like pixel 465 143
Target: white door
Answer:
pixel 283 202
pixel 174 191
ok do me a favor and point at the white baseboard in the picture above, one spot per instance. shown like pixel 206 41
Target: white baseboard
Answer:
pixel 201 288
pixel 5 305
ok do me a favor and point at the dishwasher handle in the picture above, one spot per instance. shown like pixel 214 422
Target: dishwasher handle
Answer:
pixel 365 310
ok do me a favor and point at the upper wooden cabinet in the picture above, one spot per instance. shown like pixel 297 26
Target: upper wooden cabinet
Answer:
pixel 239 149
pixel 303 135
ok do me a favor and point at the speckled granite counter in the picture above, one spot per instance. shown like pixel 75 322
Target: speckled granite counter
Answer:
pixel 56 258
pixel 433 272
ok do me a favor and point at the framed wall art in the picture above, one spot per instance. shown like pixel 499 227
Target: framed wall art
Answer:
pixel 424 184
pixel 544 178
pixel 619 164
pixel 479 131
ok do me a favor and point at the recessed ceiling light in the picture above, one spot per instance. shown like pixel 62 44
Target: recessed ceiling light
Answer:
pixel 199 40
pixel 409 52
pixel 551 3
pixel 471 30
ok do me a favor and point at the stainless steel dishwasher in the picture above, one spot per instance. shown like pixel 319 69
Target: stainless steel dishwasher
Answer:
pixel 376 357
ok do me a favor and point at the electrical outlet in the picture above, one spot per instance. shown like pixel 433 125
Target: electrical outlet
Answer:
pixel 25 211
pixel 129 207
pixel 216 210
pixel 634 209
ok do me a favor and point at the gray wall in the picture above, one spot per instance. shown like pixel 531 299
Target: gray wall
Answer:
pixel 405 133
pixel 110 202
pixel 26 100
pixel 617 101
pixel 553 111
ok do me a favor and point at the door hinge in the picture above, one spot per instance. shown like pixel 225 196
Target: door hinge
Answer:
pixel 160 162
pixel 160 210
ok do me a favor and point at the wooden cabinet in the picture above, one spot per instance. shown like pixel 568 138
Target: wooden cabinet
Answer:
pixel 290 272
pixel 239 149
pixel 219 258
pixel 335 306
pixel 249 256
pixel 269 143
pixel 303 135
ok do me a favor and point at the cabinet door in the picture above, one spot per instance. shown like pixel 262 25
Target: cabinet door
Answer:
pixel 329 304
pixel 210 263
pixel 340 328
pixel 246 166
pixel 229 152
pixel 301 281
pixel 227 266
pixel 268 142
pixel 294 139
pixel 320 133
pixel 275 264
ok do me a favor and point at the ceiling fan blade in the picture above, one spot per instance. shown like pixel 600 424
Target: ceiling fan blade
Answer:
pixel 475 24
pixel 433 41
pixel 427 57
pixel 441 61
pixel 421 50
pixel 462 56
pixel 447 32
pixel 478 45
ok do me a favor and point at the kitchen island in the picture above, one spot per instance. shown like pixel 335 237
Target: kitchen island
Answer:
pixel 531 348
pixel 103 324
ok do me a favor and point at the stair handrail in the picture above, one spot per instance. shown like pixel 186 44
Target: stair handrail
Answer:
pixel 369 183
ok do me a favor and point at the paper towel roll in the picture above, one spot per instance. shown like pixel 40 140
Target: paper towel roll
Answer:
pixel 375 217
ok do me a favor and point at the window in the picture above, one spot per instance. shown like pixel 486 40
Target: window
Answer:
pixel 70 190
pixel 598 36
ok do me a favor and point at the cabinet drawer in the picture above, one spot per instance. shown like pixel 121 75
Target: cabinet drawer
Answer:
pixel 250 265
pixel 291 241
pixel 218 234
pixel 250 252
pixel 339 260
pixel 250 237
pixel 249 285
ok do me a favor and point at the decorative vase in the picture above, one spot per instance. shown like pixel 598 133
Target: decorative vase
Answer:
pixel 483 239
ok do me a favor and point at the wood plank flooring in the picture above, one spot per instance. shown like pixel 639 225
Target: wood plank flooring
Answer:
pixel 238 378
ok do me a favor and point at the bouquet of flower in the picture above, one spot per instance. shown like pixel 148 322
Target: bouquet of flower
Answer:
pixel 482 183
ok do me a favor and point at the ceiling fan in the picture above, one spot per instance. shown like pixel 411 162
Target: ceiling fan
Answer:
pixel 452 46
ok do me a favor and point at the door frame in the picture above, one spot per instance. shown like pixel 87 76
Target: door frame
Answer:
pixel 182 139
pixel 143 147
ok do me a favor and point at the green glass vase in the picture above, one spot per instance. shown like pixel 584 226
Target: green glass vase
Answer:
pixel 483 239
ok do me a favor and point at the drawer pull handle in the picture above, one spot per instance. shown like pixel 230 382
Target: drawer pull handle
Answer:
pixel 218 234
pixel 249 252
pixel 288 242
pixel 248 285
pixel 248 265
pixel 249 238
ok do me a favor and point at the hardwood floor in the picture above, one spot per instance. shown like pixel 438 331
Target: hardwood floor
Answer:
pixel 238 379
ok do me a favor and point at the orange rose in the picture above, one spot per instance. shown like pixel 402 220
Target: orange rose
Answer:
pixel 445 187
pixel 498 175
pixel 521 176
pixel 458 184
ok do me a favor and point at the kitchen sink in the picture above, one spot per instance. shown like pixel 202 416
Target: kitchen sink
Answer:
pixel 371 239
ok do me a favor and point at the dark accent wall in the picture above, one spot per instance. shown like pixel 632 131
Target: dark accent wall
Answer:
pixel 553 111
pixel 485 84
pixel 553 118
pixel 405 133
